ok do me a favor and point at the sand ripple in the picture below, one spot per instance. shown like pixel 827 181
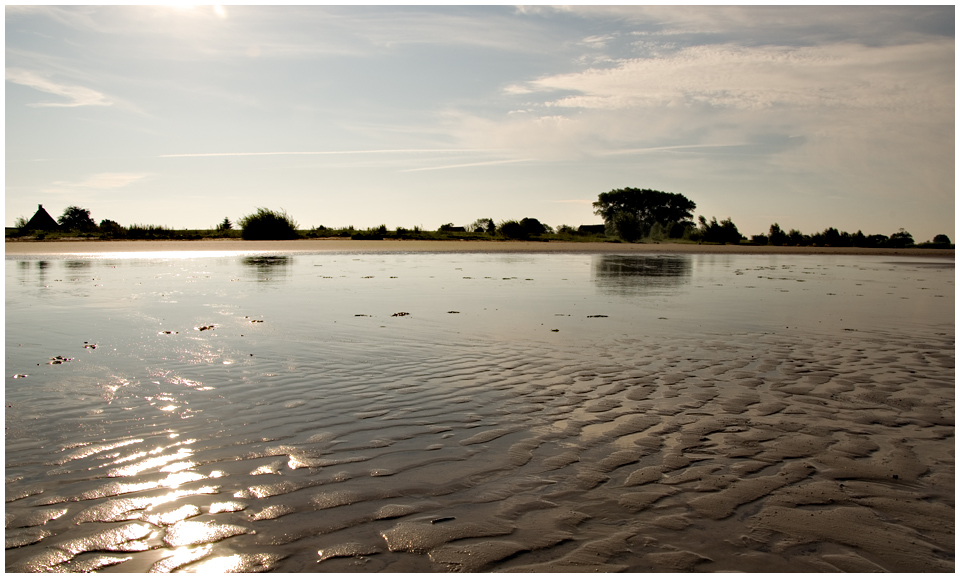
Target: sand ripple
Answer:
pixel 755 452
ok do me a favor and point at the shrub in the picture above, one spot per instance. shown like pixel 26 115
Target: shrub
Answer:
pixel 111 228
pixel 512 230
pixel 723 232
pixel 268 225
pixel 534 227
pixel 137 231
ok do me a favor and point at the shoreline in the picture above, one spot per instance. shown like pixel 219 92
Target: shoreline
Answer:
pixel 78 247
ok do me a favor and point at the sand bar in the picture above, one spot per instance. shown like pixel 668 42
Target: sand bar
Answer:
pixel 81 246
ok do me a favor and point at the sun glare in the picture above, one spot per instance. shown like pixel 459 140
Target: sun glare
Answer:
pixel 187 7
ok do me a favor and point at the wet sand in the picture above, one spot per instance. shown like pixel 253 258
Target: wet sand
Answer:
pixel 347 439
pixel 25 248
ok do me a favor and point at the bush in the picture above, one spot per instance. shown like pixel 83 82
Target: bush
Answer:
pixel 268 225
pixel 512 230
pixel 111 228
pixel 723 232
pixel 137 231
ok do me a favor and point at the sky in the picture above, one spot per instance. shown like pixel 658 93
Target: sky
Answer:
pixel 179 115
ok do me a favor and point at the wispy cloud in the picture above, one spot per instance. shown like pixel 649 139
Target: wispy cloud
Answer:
pixel 359 152
pixel 97 182
pixel 76 95
pixel 501 162
pixel 751 78
pixel 670 148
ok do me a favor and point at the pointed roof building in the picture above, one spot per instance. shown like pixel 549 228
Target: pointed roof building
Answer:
pixel 41 221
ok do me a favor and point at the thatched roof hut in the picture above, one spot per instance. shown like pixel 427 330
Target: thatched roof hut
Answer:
pixel 41 221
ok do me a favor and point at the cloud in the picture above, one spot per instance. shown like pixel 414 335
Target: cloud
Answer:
pixel 731 76
pixel 359 152
pixel 99 182
pixel 77 95
pixel 777 25
pixel 483 163
pixel 672 148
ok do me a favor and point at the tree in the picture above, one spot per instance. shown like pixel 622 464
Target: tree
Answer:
pixel 730 232
pixel 900 239
pixel 533 227
pixel 77 219
pixel 832 237
pixel 482 226
pixel 777 237
pixel 21 222
pixel 633 212
pixel 226 225
pixel 723 232
pixel 624 224
pixel 939 239
pixel 512 230
pixel 111 228
pixel 268 225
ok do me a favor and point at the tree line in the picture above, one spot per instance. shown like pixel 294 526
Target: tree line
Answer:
pixel 645 214
pixel 629 215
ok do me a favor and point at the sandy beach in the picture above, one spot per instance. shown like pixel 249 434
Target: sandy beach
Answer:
pixel 81 246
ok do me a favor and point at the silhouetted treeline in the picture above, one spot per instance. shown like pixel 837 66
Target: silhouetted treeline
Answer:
pixel 831 237
pixel 630 215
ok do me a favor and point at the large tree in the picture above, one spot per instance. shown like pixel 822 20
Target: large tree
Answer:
pixel 643 208
pixel 75 218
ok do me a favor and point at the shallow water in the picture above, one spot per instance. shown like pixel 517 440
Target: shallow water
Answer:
pixel 529 412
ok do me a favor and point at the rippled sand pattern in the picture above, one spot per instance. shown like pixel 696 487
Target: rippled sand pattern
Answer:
pixel 753 451
pixel 351 413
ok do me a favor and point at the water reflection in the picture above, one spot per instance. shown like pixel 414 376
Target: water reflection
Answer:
pixel 77 265
pixel 25 269
pixel 636 274
pixel 268 267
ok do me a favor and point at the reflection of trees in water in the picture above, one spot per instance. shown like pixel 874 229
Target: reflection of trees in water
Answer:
pixel 268 267
pixel 641 273
pixel 26 269
pixel 76 265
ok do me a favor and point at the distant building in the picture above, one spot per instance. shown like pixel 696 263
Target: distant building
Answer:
pixel 41 221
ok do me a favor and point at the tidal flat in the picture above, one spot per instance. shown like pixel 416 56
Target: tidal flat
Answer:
pixel 548 412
